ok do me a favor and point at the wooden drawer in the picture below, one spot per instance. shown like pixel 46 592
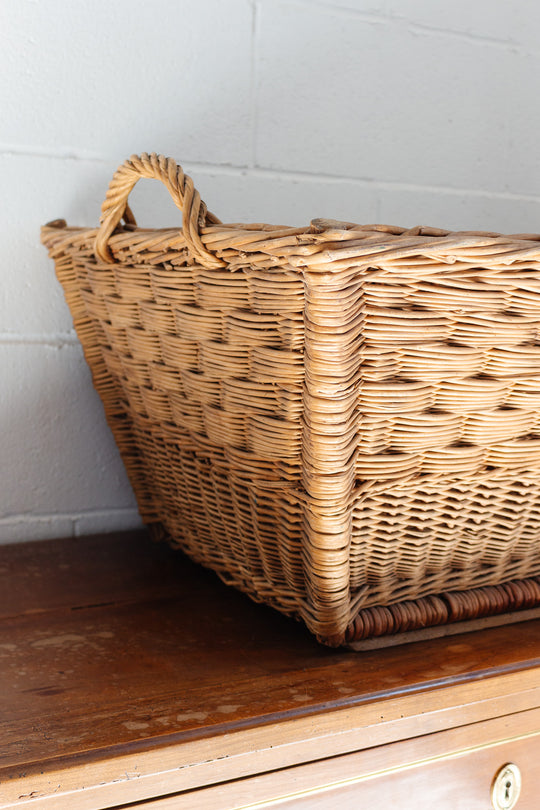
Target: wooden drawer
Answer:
pixel 450 770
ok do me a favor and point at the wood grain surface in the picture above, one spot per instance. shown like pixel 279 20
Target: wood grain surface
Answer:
pixel 117 653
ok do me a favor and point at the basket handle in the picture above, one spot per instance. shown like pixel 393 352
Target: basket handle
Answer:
pixel 195 215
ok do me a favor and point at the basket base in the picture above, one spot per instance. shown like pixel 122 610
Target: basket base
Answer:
pixel 442 631
pixel 435 616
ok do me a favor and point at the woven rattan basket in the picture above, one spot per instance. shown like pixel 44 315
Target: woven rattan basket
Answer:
pixel 343 421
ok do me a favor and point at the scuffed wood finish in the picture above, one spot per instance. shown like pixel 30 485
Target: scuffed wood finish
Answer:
pixel 129 672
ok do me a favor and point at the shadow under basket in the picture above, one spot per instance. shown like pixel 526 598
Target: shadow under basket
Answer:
pixel 342 421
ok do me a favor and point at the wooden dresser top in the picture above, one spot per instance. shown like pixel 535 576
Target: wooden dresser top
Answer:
pixel 116 649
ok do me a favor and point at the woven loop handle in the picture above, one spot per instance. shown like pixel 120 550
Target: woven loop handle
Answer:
pixel 195 215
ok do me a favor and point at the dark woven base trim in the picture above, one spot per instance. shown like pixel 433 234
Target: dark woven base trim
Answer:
pixel 446 608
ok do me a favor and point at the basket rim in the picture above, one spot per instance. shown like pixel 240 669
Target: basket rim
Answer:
pixel 324 243
pixel 317 228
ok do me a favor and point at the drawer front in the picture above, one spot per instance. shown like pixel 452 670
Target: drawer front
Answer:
pixel 449 770
pixel 462 782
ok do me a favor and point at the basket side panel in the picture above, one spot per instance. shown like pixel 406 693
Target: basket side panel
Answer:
pixel 421 450
pixel 448 463
pixel 443 533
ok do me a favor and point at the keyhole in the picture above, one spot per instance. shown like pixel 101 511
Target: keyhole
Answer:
pixel 506 787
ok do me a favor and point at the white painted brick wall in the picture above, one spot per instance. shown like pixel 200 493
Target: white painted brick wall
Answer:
pixel 402 111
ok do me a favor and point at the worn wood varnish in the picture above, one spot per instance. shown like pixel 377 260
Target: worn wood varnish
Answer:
pixel 131 672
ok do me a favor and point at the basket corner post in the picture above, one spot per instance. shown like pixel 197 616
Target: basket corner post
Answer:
pixel 329 449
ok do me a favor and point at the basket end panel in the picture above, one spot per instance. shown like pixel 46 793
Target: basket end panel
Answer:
pixel 200 372
pixel 72 273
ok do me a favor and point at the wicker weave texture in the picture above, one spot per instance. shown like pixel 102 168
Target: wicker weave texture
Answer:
pixel 336 418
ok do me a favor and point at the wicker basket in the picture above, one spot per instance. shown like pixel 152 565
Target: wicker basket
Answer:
pixel 343 421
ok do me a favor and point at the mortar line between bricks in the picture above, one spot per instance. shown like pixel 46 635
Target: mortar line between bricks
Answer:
pixel 384 185
pixel 264 172
pixel 62 153
pixel 432 30
pixel 74 516
pixel 56 341
pixel 413 26
pixel 342 11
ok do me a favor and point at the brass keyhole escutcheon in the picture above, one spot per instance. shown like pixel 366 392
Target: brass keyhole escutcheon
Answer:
pixel 506 787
